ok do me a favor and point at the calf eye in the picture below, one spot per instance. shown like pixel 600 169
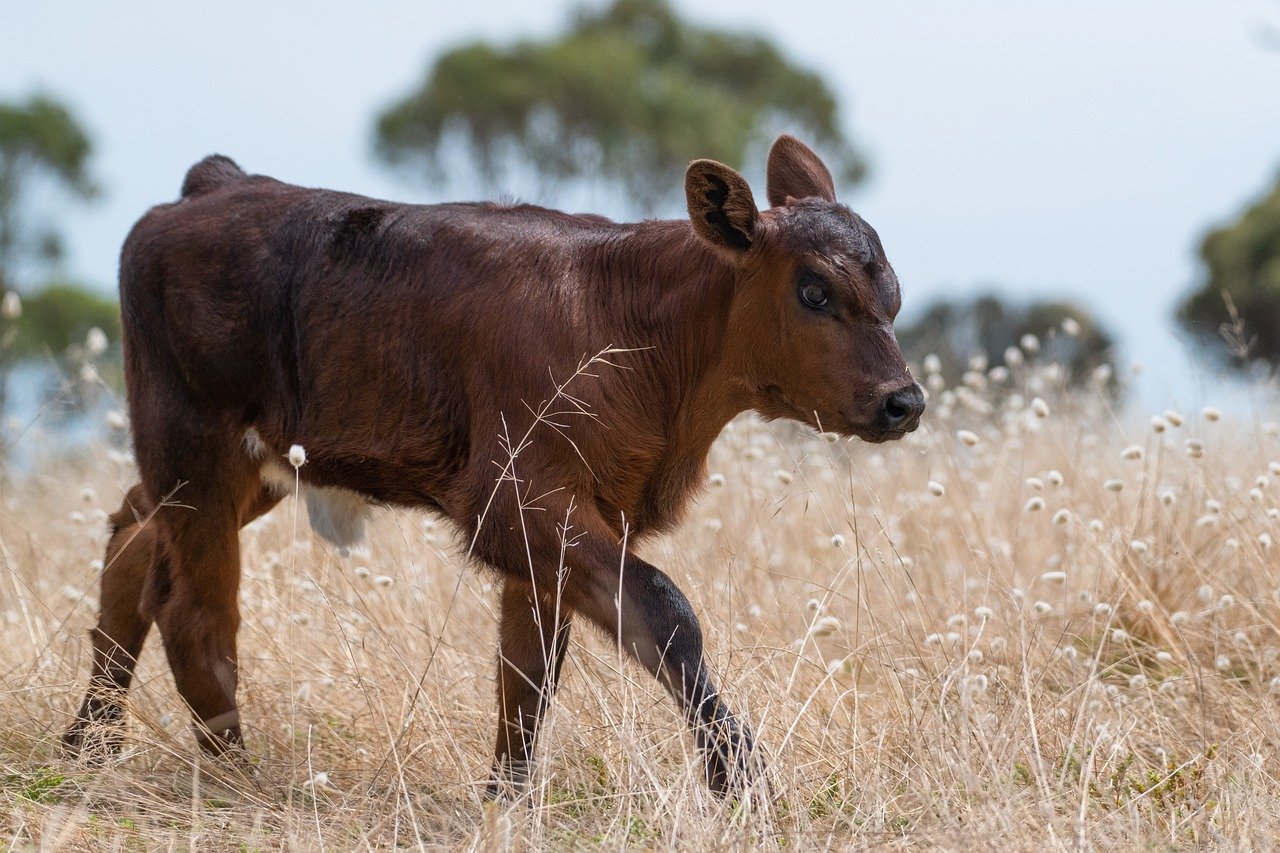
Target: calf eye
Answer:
pixel 813 294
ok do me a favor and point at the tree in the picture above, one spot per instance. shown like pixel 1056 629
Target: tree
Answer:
pixel 40 142
pixel 628 95
pixel 41 146
pixel 1235 313
pixel 986 326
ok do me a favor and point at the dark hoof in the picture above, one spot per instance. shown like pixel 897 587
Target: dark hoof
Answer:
pixel 733 764
pixel 509 783
pixel 95 737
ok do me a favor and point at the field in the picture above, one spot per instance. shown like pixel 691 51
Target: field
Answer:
pixel 1035 623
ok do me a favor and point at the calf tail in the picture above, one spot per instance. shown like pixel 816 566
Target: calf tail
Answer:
pixel 211 173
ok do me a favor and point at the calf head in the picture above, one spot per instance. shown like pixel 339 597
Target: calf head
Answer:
pixel 814 298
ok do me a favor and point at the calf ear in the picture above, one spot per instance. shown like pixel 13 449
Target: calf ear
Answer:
pixel 795 171
pixel 721 207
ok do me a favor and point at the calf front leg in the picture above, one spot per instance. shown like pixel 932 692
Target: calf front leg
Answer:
pixel 655 624
pixel 532 638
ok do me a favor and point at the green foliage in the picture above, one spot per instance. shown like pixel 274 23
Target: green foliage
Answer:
pixel 628 94
pixel 39 141
pixel 57 319
pixel 986 326
pixel 1242 271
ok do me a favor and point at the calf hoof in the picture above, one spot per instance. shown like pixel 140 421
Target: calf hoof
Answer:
pixel 95 736
pixel 734 765
pixel 509 782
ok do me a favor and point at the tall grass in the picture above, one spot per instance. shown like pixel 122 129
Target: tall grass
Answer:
pixel 1031 624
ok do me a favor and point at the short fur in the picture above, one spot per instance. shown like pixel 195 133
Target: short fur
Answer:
pixel 413 350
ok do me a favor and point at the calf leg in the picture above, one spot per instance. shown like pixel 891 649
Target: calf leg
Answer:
pixel 192 593
pixel 655 623
pixel 533 637
pixel 121 630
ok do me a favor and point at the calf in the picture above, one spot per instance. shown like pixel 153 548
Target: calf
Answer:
pixel 441 357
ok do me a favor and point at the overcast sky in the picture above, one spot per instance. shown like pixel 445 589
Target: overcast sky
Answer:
pixel 1049 149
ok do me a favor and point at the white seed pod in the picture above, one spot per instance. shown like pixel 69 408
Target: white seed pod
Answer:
pixel 1179 617
pixel 932 364
pixel 934 639
pixel 716 481
pixel 1205 593
pixel 1029 342
pixel 297 456
pixel 1195 448
pixel 1146 606
pixel 1223 663
pixel 11 305
pixel 1035 504
pixel 1211 414
pixel 1264 539
pixel 1133 451
pixel 1071 326
pixel 1168 497
pixel 1096 525
pixel 1158 424
pixel 1137 682
pixel 1174 418
pixel 383 581
pixel 1054 478
pixel 983 612
pixel 1102 609
pixel 1119 635
pixel 1164 657
pixel 837 541
pixel 1113 485
pixel 1042 608
pixel 1039 408
pixel 1034 483
pixel 967 437
pixel 783 477
pixel 975 656
pixel 936 489
pixel 95 342
pixel 116 419
pixel 1013 356
pixel 1054 577
pixel 1138 546
pixel 825 626
pixel 1226 601
pixel 1062 516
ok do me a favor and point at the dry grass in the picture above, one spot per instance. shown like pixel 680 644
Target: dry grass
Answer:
pixel 961 698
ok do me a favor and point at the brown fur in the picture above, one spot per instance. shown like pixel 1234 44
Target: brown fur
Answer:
pixel 409 348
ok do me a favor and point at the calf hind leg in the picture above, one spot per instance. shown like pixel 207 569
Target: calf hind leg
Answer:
pixel 192 594
pixel 121 630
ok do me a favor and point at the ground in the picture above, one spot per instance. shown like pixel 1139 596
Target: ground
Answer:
pixel 1031 624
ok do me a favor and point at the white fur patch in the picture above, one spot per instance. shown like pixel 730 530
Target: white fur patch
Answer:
pixel 277 477
pixel 253 444
pixel 336 514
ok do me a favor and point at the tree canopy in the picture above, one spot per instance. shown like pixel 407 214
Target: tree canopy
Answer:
pixel 987 326
pixel 627 95
pixel 1241 274
pixel 39 141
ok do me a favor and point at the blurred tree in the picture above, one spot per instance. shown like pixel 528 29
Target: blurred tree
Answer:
pixel 40 141
pixel 42 146
pixel 57 319
pixel 628 95
pixel 986 326
pixel 1235 314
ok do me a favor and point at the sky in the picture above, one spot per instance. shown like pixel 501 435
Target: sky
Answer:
pixel 1042 149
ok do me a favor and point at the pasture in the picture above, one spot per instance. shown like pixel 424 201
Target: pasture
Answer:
pixel 1035 622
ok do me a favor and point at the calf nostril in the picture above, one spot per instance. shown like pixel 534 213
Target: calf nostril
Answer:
pixel 895 408
pixel 902 408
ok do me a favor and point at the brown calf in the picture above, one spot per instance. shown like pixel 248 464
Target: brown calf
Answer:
pixel 429 356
